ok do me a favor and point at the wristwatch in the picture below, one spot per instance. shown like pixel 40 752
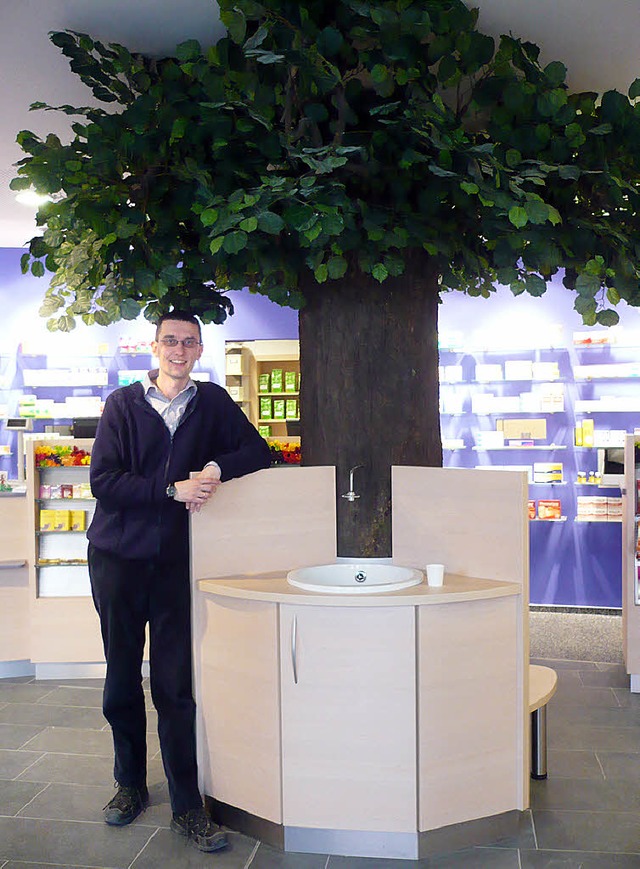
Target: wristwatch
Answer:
pixel 171 490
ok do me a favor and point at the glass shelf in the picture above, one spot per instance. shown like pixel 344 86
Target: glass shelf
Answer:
pixel 52 531
pixel 548 448
pixel 561 519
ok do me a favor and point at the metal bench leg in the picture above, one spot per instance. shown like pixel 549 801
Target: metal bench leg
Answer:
pixel 539 743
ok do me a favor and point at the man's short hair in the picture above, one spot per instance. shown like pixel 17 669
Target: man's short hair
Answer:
pixel 178 315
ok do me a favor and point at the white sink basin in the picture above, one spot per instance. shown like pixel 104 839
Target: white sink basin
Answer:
pixel 354 578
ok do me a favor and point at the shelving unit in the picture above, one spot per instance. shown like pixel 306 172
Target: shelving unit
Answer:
pixel 64 625
pixel 245 362
pixel 560 573
pixel 60 556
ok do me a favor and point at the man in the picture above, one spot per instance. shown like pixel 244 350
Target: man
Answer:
pixel 150 438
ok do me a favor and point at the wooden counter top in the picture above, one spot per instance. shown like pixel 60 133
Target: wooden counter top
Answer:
pixel 275 588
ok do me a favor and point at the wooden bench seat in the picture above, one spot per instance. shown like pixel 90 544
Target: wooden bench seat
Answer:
pixel 543 682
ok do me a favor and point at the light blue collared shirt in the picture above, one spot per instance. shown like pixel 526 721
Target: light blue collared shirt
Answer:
pixel 170 409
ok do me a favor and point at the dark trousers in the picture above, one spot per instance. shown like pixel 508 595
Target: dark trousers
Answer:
pixel 128 595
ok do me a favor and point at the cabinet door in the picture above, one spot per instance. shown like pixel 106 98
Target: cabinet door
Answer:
pixel 349 721
pixel 236 661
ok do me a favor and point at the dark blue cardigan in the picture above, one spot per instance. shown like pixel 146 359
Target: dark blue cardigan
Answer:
pixel 134 459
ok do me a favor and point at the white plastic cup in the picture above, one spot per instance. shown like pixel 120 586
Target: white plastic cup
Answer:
pixel 435 574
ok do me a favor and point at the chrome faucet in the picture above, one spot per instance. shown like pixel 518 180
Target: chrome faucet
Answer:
pixel 351 495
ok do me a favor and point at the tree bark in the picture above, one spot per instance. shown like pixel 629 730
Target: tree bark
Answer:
pixel 369 392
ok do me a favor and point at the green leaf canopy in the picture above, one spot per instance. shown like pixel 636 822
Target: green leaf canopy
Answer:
pixel 318 141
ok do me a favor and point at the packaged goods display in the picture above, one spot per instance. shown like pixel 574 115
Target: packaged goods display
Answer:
pixel 549 509
pixel 78 520
pixel 278 408
pixel 266 408
pixel 264 382
pixel 277 381
pixel 290 381
pixel 291 408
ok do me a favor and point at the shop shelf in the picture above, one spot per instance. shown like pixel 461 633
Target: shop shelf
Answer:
pixel 561 519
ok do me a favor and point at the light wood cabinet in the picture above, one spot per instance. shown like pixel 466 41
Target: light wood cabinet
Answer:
pixel 348 717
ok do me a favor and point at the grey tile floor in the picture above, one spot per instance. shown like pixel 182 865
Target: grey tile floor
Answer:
pixel 56 774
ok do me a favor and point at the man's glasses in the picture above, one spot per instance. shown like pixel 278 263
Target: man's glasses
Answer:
pixel 189 343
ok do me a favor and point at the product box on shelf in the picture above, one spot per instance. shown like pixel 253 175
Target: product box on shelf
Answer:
pixel 277 380
pixel 264 382
pixel 547 472
pixel 487 372
pixel 518 370
pixel 82 490
pixel 588 427
pixel 234 363
pixel 266 408
pixel 523 429
pixel 47 520
pixel 291 408
pixel 278 408
pixel 78 520
pixel 62 520
pixel 290 381
pixel 549 509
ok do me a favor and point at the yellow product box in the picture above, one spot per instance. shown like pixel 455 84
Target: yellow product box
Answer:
pixel 587 432
pixel 47 518
pixel 78 520
pixel 61 520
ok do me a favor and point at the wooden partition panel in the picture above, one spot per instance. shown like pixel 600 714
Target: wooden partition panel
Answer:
pixel 470 734
pixel 276 519
pixel 473 522
pixel 476 524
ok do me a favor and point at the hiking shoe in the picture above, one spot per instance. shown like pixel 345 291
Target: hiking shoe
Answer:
pixel 198 827
pixel 125 807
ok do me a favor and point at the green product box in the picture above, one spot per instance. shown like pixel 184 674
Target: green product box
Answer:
pixel 266 409
pixel 290 381
pixel 278 408
pixel 264 431
pixel 263 382
pixel 291 408
pixel 276 380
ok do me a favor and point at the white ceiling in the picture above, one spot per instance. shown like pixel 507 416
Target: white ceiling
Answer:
pixel 598 40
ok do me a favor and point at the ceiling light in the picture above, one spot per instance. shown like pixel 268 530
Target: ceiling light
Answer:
pixel 32 199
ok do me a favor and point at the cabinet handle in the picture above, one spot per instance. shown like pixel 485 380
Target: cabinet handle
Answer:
pixel 294 648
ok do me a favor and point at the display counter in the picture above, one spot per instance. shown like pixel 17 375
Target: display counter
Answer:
pixel 383 724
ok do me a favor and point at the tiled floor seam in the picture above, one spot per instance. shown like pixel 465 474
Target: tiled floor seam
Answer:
pixel 46 786
pixel 144 847
pixel 26 769
pixel 251 856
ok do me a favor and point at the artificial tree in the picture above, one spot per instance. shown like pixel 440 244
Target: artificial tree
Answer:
pixel 352 160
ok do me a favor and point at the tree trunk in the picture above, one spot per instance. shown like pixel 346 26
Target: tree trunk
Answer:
pixel 369 392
